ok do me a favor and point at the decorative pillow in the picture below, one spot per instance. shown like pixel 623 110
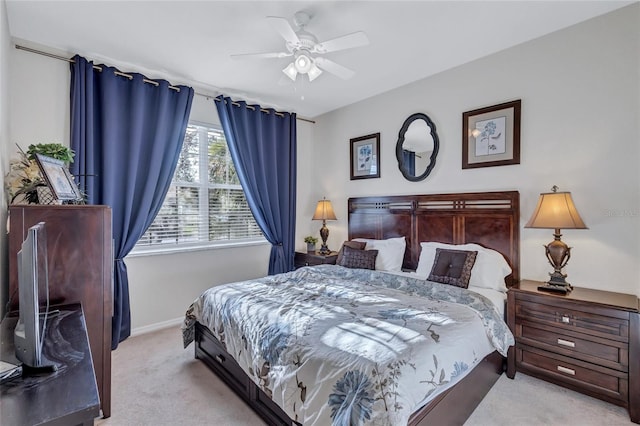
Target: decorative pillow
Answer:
pixel 489 270
pixel 361 259
pixel 357 245
pixel 453 267
pixel 390 252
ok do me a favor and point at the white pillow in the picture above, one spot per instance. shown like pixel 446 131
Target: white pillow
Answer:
pixel 390 252
pixel 489 270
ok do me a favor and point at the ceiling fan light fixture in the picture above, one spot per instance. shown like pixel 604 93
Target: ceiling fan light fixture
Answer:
pixel 303 45
pixel 290 71
pixel 314 72
pixel 303 63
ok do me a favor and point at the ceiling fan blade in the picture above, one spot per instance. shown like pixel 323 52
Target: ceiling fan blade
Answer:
pixel 282 26
pixel 262 55
pixel 333 68
pixel 348 41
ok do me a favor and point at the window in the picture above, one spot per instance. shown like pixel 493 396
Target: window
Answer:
pixel 205 203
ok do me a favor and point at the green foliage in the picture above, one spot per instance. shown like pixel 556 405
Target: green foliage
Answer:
pixel 53 150
pixel 310 239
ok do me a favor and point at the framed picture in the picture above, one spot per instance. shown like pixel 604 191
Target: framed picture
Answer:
pixel 365 157
pixel 58 178
pixel 491 136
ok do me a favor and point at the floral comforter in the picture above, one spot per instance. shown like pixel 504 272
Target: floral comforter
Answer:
pixel 340 346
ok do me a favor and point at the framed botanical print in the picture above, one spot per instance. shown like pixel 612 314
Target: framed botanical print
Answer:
pixel 491 136
pixel 365 157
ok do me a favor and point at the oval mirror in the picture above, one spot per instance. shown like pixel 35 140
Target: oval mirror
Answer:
pixel 417 147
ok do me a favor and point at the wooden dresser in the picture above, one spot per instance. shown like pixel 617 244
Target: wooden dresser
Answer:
pixel 80 261
pixel 587 340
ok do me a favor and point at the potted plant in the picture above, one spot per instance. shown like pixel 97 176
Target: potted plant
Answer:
pixel 311 243
pixel 53 150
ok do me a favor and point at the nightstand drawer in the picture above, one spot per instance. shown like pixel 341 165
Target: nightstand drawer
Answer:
pixel 311 261
pixel 314 258
pixel 596 350
pixel 615 326
pixel 609 384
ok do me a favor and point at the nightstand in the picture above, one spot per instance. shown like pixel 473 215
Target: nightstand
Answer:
pixel 314 258
pixel 587 340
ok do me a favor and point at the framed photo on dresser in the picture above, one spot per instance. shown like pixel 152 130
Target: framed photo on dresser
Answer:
pixel 58 178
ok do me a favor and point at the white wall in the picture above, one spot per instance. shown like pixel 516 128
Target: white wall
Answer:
pixel 40 108
pixel 161 287
pixel 580 91
pixel 5 45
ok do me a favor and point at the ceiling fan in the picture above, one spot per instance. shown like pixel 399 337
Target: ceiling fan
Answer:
pixel 307 51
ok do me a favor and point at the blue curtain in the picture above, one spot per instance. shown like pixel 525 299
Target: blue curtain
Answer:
pixel 263 148
pixel 409 161
pixel 127 135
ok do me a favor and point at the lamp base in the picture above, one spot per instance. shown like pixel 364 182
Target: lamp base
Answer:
pixel 558 254
pixel 324 234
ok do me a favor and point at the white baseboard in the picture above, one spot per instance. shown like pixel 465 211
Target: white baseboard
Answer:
pixel 157 326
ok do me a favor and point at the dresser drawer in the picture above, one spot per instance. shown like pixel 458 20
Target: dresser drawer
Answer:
pixel 608 353
pixel 613 326
pixel 607 384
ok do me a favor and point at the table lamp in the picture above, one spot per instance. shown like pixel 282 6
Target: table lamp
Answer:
pixel 324 212
pixel 555 210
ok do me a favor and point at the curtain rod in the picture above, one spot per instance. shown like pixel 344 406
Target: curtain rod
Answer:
pixel 95 67
pixel 129 76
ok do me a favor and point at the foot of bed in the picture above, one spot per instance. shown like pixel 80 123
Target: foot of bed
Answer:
pixel 455 405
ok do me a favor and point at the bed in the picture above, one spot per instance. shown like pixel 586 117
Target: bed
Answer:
pixel 292 374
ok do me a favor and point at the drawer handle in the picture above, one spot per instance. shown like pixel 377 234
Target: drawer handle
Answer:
pixel 566 343
pixel 566 370
pixel 219 358
pixel 566 319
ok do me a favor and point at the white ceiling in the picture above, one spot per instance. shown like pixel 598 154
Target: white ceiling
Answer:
pixel 190 42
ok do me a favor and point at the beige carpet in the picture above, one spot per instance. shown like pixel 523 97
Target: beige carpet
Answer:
pixel 156 382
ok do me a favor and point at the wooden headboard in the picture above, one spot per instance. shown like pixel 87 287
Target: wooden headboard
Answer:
pixel 491 219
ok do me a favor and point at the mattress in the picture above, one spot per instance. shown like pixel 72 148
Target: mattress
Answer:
pixel 332 345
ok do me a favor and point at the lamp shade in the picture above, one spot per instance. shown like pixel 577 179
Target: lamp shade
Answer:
pixel 555 210
pixel 324 211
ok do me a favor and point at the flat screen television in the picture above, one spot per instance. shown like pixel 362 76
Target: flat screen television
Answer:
pixel 33 301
